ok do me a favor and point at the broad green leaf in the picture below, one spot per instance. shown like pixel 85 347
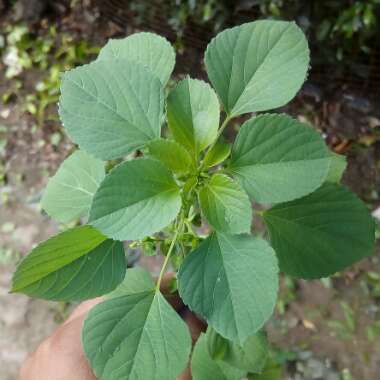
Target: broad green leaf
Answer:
pixel 226 205
pixel 136 199
pixel 231 372
pixel 193 114
pixel 322 233
pixel 231 281
pixel 338 165
pixel 134 337
pixel 77 264
pixel 69 192
pixel 278 159
pixel 147 49
pixel 173 155
pixel 204 367
pixel 217 154
pixel 111 108
pixel 217 345
pixel 257 66
pixel 251 356
pixel 137 280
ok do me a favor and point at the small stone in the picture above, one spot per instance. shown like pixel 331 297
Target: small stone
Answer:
pixel 5 113
pixel 376 213
pixel 314 369
pixel 373 122
pixel 29 10
pixel 300 367
pixel 305 355
pixel 7 227
pixel 332 376
pixel 292 322
pixel 358 103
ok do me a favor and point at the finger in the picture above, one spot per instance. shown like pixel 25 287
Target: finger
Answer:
pixel 172 297
pixel 83 308
pixel 185 375
pixel 27 368
pixel 60 357
pixel 166 282
pixel 196 326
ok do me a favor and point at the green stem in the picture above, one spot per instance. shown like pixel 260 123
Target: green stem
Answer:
pixel 220 131
pixel 189 228
pixel 170 251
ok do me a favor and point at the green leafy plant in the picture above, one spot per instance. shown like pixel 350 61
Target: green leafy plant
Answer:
pixel 188 195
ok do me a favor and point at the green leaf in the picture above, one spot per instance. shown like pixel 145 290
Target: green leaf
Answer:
pixel 217 346
pixel 111 108
pixel 147 49
pixel 69 192
pixel 138 336
pixel 257 66
pixel 193 114
pixel 277 158
pixel 203 367
pixel 272 371
pixel 173 155
pixel 217 154
pixel 225 205
pixel 251 356
pixel 322 233
pixel 231 281
pixel 338 165
pixel 136 199
pixel 137 280
pixel 77 264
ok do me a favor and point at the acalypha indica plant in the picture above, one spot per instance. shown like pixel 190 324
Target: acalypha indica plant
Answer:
pixel 187 194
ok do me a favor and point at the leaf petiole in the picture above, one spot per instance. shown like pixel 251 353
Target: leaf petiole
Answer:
pixel 220 131
pixel 170 251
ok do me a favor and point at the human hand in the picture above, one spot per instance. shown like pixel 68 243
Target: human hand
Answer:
pixel 61 356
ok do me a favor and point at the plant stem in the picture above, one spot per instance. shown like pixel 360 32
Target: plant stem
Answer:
pixel 220 131
pixel 167 258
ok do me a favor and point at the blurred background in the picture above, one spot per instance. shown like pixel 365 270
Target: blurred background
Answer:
pixel 327 329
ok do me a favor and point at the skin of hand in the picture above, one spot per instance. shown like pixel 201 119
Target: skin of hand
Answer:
pixel 61 356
